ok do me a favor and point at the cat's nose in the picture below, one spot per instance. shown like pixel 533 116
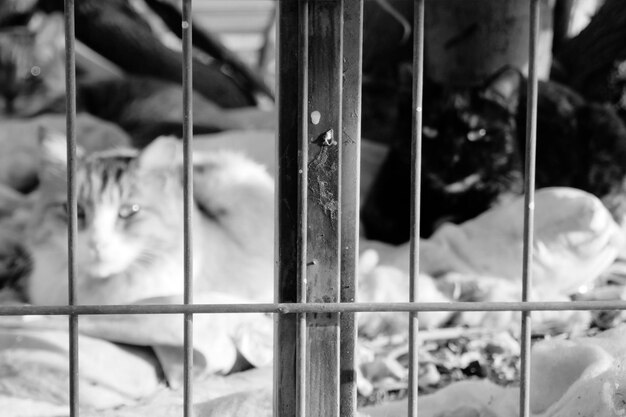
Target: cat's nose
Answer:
pixel 96 247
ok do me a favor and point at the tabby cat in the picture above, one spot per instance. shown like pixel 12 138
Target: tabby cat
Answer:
pixel 473 153
pixel 130 225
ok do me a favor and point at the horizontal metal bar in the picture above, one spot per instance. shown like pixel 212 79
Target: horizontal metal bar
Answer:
pixel 290 308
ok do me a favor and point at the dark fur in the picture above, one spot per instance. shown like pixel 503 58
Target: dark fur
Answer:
pixel 579 144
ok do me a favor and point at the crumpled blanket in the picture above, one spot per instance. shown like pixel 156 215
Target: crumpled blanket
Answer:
pixel 579 377
pixel 34 353
pixel 575 241
pixel 243 394
pixel 583 376
pixel 34 365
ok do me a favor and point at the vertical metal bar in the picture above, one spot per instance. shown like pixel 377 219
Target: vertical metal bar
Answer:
pixel 529 205
pixel 70 96
pixel 303 171
pixel 416 180
pixel 188 204
pixel 350 199
pixel 323 211
pixel 291 66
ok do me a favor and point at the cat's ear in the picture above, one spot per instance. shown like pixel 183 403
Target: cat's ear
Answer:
pixel 164 152
pixel 504 87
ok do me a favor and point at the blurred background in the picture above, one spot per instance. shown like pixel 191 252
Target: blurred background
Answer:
pixel 129 71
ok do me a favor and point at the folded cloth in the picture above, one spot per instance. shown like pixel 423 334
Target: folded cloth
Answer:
pixel 25 407
pixel 34 366
pixel 257 403
pixel 241 394
pixel 384 283
pixel 237 395
pixel 575 240
pixel 220 340
pixel 583 376
pixel 34 352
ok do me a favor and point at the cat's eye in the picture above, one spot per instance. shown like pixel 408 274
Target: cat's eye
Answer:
pixel 475 135
pixel 64 209
pixel 80 210
pixel 129 210
pixel 429 132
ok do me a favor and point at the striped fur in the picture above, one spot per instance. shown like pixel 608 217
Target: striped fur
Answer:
pixel 130 227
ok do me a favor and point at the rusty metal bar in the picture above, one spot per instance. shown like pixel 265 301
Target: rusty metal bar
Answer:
pixel 291 66
pixel 289 308
pixel 350 154
pixel 187 42
pixel 416 181
pixel 529 206
pixel 72 224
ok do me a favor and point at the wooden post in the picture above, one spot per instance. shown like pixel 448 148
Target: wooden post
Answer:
pixel 309 228
pixel 349 197
pixel 287 232
pixel 325 67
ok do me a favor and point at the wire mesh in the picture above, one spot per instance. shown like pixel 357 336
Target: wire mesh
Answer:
pixel 287 306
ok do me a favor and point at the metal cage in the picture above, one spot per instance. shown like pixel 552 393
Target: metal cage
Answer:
pixel 319 62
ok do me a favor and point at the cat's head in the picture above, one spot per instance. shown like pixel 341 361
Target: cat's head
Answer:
pixel 129 207
pixel 469 134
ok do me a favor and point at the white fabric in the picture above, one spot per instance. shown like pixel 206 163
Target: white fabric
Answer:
pixel 34 352
pixel 576 239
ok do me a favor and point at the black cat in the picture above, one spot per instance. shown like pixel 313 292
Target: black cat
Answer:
pixel 474 152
